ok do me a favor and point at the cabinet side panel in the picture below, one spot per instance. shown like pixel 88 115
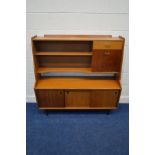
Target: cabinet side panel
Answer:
pixel 35 62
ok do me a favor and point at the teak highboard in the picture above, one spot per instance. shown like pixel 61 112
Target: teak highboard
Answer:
pixel 77 71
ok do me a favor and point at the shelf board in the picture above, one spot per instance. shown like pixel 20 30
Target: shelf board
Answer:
pixel 76 83
pixel 48 70
pixel 75 38
pixel 65 53
pixel 80 70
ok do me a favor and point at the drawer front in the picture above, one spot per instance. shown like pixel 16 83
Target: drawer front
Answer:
pixel 105 98
pixel 107 45
pixel 77 98
pixel 106 60
pixel 50 98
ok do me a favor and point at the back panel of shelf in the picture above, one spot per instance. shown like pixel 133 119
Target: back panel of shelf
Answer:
pixel 63 46
pixel 64 61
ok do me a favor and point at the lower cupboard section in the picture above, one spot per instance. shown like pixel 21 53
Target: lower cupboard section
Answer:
pixel 77 98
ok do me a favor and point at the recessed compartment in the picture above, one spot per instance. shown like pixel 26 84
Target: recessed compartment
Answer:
pixel 64 61
pixel 63 46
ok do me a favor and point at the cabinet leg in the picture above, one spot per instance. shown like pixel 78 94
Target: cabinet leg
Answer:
pixel 46 112
pixel 107 112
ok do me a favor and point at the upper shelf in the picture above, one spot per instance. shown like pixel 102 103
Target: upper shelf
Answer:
pixel 48 70
pixel 65 53
pixel 79 70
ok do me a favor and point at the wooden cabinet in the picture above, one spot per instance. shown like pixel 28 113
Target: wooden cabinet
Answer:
pixel 107 56
pixel 77 98
pixel 50 98
pixel 95 60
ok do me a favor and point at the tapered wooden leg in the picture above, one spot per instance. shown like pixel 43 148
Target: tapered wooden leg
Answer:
pixel 46 112
pixel 107 112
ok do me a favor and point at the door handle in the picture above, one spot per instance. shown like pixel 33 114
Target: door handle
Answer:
pixel 67 92
pixel 116 93
pixel 107 53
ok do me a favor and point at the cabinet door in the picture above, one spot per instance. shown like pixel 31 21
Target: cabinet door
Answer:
pixel 106 60
pixel 50 98
pixel 77 98
pixel 105 98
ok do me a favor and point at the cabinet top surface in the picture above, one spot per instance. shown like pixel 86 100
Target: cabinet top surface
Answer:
pixel 76 37
pixel 76 83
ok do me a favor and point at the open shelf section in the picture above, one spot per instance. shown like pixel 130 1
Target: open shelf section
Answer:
pixel 60 61
pixel 77 83
pixel 63 46
pixel 65 53
pixel 79 70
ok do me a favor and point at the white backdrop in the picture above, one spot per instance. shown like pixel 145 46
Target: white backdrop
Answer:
pixel 77 17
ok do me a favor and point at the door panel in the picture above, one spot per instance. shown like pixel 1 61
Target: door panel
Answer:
pixel 77 98
pixel 50 98
pixel 105 98
pixel 106 60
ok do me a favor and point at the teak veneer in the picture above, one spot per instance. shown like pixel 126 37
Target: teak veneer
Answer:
pixel 93 55
pixel 76 83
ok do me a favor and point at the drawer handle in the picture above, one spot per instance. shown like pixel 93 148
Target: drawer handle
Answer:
pixel 115 93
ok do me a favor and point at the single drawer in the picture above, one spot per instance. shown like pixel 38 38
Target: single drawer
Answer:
pixel 107 44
